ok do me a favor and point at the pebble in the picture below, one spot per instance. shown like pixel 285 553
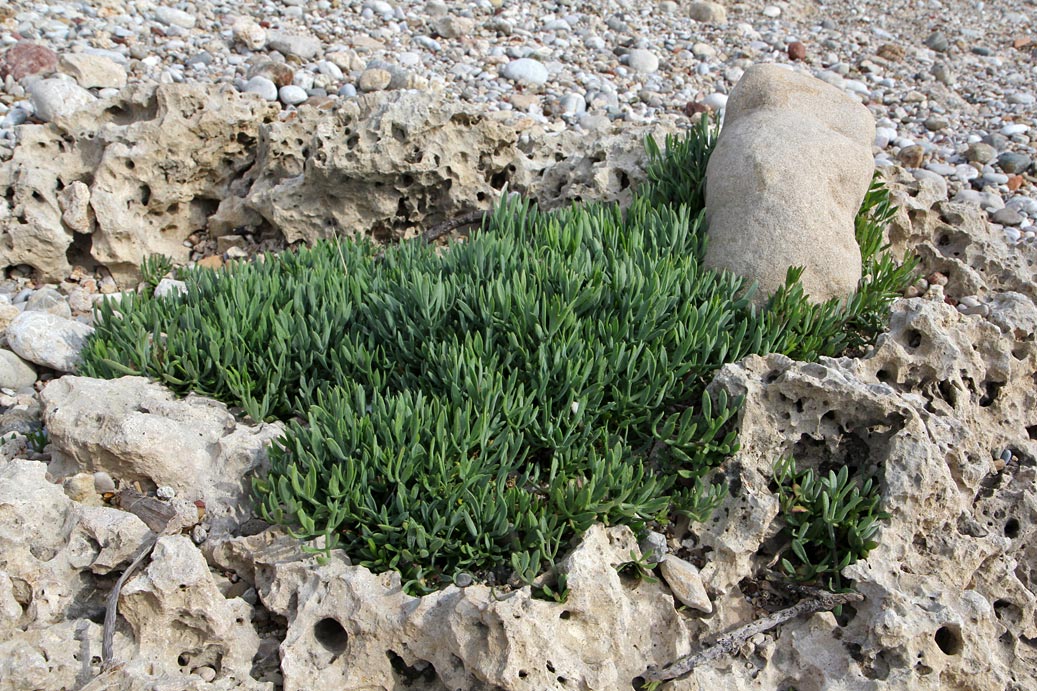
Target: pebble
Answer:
pixel 375 79
pixel 56 98
pixel 303 47
pixel 797 51
pixel 15 373
pixel 525 70
pixel 653 547
pixel 715 102
pixel 686 583
pixel 103 482
pixel 1015 128
pixel 292 95
pixel 174 17
pixel 165 492
pixel 1007 216
pixel 1013 163
pixel 707 12
pixel 643 61
pixel 266 89
pixel 938 42
pixel 49 300
pixel 772 11
pixel 47 340
pixel 980 152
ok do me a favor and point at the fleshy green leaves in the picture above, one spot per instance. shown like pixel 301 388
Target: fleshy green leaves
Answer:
pixel 830 520
pixel 472 411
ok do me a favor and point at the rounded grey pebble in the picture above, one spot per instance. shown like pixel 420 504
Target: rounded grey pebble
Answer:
pixel 199 534
pixel 266 89
pixel 103 482
pixel 463 580
pixel 165 492
pixel 292 95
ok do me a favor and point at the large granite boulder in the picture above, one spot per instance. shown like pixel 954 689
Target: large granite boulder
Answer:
pixel 786 179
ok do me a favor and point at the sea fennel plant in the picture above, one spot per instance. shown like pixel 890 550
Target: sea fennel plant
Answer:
pixel 472 411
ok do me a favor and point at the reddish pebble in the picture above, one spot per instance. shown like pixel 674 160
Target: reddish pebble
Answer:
pixel 694 107
pixel 25 58
pixel 1015 182
pixel 1021 42
pixel 797 51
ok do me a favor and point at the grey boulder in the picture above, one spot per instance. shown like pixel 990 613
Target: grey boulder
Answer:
pixel 47 339
pixel 787 176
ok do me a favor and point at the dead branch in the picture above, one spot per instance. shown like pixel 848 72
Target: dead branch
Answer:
pixel 440 229
pixel 728 644
pixel 111 609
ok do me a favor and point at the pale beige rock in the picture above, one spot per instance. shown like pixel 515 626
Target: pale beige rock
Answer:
pixel 135 429
pixel 708 12
pixel 182 622
pixel 686 583
pixel 929 412
pixel 157 160
pixel 93 71
pixel 74 201
pixel 343 623
pixel 359 170
pixel 789 171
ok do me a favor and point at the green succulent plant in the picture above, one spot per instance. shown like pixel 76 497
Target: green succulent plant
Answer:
pixel 831 521
pixel 474 410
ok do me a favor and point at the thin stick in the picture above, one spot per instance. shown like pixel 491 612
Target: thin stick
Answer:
pixel 439 230
pixel 107 640
pixel 821 601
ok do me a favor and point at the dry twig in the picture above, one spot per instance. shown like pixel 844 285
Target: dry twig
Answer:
pixel 440 229
pixel 819 601
pixel 107 640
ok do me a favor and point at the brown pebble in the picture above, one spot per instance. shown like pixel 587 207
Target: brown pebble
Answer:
pixel 694 108
pixel 797 51
pixel 1014 182
pixel 937 278
pixel 1021 42
pixel 891 52
pixel 213 262
pixel 911 156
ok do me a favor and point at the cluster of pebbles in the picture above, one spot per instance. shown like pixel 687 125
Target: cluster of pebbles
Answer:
pixel 951 85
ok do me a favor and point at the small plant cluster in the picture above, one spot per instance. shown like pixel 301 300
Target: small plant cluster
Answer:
pixel 472 411
pixel 830 519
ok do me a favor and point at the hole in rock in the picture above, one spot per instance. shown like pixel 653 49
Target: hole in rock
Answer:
pixel 331 635
pixel 78 252
pixel 1012 528
pixel 948 392
pixel 1031 431
pixel 421 670
pixel 145 194
pixel 566 614
pixel 130 165
pixel 913 338
pixel 883 376
pixel 550 667
pixel 523 674
pixel 991 391
pixel 847 615
pixel 948 638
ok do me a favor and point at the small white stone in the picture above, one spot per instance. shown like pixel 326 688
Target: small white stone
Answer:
pixel 266 89
pixel 1014 128
pixel 165 492
pixel 174 17
pixel 525 70
pixel 772 11
pixel 715 102
pixel 292 95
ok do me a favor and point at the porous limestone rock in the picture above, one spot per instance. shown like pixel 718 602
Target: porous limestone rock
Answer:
pixel 389 164
pixel 955 239
pixel 135 429
pixel 181 621
pixel 351 629
pixel 156 161
pixel 53 547
pixel 931 412
pixel 788 174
